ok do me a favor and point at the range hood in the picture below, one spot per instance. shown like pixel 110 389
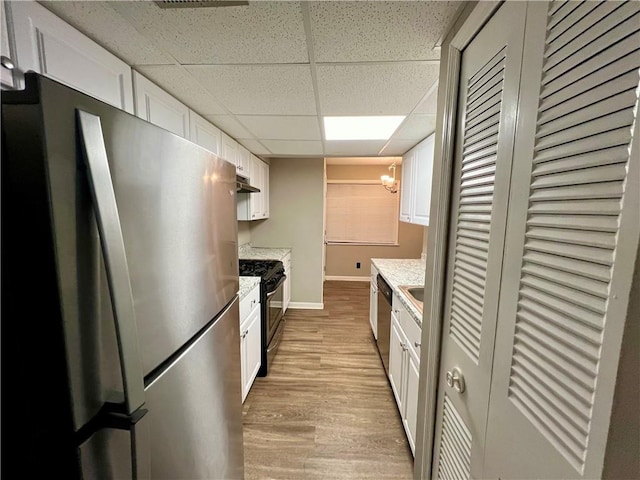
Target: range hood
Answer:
pixel 242 185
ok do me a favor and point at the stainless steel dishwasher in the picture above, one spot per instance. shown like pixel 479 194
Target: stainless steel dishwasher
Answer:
pixel 384 320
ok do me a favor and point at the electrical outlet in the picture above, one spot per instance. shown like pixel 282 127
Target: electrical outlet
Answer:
pixel 357 264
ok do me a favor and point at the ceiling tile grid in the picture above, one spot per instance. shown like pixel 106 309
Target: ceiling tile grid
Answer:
pixel 100 22
pixel 374 89
pixel 182 85
pixel 259 89
pixel 294 147
pixel 274 127
pixel 415 127
pixel 266 73
pixel 378 31
pixel 263 32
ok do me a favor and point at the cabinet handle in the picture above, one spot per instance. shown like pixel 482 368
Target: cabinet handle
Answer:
pixel 417 344
pixel 7 63
pixel 245 333
pixel 396 311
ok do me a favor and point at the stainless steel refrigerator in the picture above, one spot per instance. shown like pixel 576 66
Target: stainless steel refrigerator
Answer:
pixel 120 329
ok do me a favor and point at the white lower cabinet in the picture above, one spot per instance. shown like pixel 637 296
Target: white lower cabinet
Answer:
pixel 250 339
pixel 373 302
pixel 286 293
pixel 397 347
pixel 404 367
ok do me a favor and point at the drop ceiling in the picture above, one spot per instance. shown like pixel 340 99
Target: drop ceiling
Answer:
pixel 266 73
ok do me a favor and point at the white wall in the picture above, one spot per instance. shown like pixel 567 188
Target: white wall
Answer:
pixel 295 221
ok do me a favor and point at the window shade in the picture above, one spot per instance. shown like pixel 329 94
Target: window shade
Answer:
pixel 361 213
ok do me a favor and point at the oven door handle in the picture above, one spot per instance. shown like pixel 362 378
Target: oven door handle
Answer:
pixel 275 289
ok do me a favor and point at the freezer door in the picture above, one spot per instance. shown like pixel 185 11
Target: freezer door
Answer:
pixel 177 210
pixel 195 407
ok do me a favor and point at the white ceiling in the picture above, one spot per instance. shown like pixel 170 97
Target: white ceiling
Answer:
pixel 266 73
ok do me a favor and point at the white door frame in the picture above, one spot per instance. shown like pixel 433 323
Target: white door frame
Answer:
pixel 469 23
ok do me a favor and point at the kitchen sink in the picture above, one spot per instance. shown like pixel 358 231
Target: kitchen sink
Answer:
pixel 415 293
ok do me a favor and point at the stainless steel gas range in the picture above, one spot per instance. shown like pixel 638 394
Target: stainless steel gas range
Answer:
pixel 272 277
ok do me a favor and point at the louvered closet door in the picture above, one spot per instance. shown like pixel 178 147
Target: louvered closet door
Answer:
pixel 572 238
pixel 490 73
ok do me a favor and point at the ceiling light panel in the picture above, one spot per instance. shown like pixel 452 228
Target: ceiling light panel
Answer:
pixel 361 128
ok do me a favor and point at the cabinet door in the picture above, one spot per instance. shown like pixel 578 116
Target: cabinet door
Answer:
pixel 373 309
pixel 230 151
pixel 421 181
pixel 156 106
pixel 397 347
pixel 256 199
pixel 265 184
pixel 243 159
pixel 487 102
pixel 410 417
pixel 250 338
pixel 204 133
pixel 405 186
pixel 47 45
pixel 571 243
pixel 286 294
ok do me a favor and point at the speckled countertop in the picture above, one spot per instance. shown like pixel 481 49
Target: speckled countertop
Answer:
pixel 246 285
pixel 402 272
pixel 247 252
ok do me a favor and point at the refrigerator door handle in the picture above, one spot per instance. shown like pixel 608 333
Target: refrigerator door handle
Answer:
pixel 115 258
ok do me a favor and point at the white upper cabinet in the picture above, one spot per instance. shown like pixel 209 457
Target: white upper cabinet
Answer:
pixel 421 186
pixel 156 106
pixel 230 150
pixel 243 161
pixel 204 133
pixel 47 45
pixel 255 206
pixel 405 186
pixel 415 194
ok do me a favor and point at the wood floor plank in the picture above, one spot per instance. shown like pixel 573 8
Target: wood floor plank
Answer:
pixel 326 411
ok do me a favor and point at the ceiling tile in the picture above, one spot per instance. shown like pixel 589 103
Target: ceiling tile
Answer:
pixel 293 147
pixel 104 25
pixel 429 104
pixel 260 89
pixel 416 127
pixel 262 32
pixel 183 86
pixel 229 125
pixel 274 127
pixel 254 146
pixel 378 30
pixel 399 147
pixel 354 147
pixel 377 89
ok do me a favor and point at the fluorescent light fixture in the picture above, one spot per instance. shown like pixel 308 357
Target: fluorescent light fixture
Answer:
pixel 361 128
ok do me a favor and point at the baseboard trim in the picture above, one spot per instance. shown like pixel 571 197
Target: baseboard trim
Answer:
pixel 342 278
pixel 306 305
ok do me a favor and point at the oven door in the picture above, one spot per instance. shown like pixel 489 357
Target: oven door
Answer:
pixel 274 308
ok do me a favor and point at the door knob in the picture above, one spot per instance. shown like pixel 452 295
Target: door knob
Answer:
pixel 455 380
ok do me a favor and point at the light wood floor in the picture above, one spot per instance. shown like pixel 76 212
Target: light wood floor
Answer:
pixel 326 411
